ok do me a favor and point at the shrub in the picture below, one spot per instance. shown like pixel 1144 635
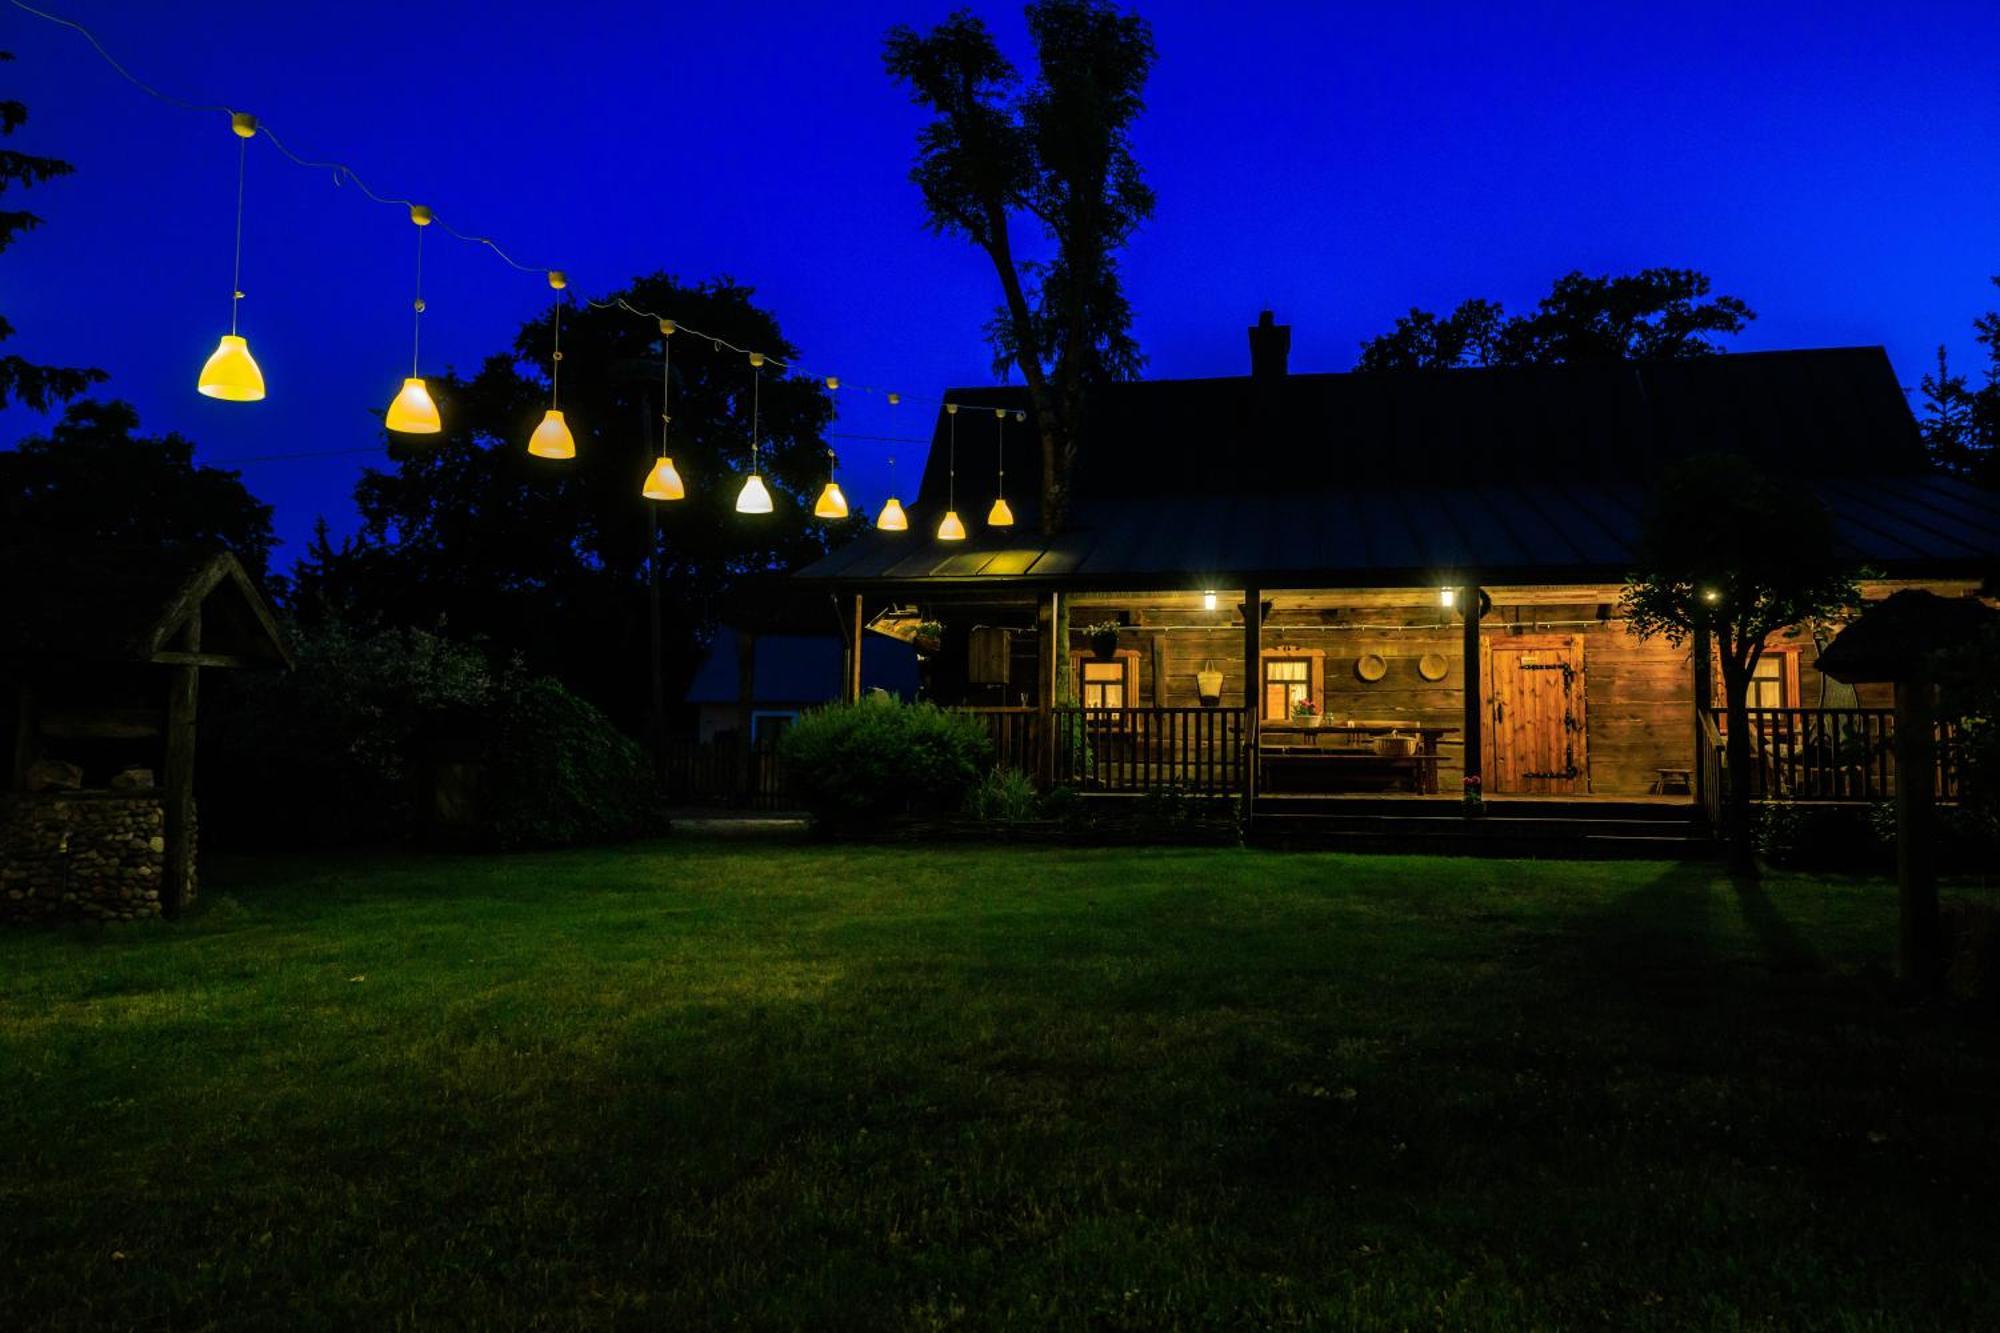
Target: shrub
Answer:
pixel 1004 795
pixel 558 773
pixel 1804 836
pixel 854 766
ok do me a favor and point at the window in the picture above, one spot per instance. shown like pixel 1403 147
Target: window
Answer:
pixel 1103 683
pixel 1768 682
pixel 1286 681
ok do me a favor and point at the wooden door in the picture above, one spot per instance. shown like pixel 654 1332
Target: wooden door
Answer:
pixel 1537 741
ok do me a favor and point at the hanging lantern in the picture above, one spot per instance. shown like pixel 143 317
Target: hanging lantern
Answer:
pixel 1000 515
pixel 831 503
pixel 754 498
pixel 663 482
pixel 231 373
pixel 950 529
pixel 1208 601
pixel 892 518
pixel 552 438
pixel 412 412
pixel 1447 597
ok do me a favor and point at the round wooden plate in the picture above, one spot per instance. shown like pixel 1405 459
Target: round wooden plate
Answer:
pixel 1370 667
pixel 1432 666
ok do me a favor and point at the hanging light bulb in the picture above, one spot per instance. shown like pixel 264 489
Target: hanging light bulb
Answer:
pixel 1000 516
pixel 892 518
pixel 552 438
pixel 831 503
pixel 231 373
pixel 663 482
pixel 412 412
pixel 950 529
pixel 1447 597
pixel 1208 600
pixel 754 498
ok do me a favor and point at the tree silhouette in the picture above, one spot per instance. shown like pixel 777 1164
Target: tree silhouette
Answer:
pixel 93 480
pixel 546 559
pixel 22 381
pixel 1961 423
pixel 1655 314
pixel 1059 151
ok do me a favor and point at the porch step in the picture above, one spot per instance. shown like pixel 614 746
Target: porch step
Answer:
pixel 1524 828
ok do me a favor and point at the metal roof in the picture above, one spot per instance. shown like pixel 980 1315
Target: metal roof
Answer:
pixel 1531 474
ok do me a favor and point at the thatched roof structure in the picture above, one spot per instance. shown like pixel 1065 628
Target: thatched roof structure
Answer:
pixel 1902 631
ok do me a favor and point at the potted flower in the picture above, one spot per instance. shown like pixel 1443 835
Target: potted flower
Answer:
pixel 929 638
pixel 1305 712
pixel 1103 639
pixel 1475 801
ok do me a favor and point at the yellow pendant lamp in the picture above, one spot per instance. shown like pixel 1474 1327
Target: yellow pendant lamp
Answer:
pixel 950 529
pixel 892 518
pixel 412 412
pixel 663 482
pixel 754 498
pixel 1000 515
pixel 552 438
pixel 831 503
pixel 231 373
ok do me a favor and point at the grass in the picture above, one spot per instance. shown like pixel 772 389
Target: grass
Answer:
pixel 706 1083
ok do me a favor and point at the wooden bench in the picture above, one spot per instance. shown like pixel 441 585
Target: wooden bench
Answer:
pixel 1308 768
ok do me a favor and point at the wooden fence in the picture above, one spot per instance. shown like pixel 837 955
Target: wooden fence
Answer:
pixel 725 772
pixel 1016 734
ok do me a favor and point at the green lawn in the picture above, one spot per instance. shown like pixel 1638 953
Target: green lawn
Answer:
pixel 705 1083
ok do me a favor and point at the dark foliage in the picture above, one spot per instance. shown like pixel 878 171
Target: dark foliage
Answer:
pixel 1058 150
pixel 854 766
pixel 93 480
pixel 374 732
pixel 547 560
pixel 1655 314
pixel 22 381
pixel 1960 421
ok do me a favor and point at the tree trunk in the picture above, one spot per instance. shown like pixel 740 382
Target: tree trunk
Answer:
pixel 1920 948
pixel 1050 422
pixel 1737 814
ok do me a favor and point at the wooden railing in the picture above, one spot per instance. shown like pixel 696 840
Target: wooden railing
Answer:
pixel 1016 734
pixel 1709 761
pixel 1203 751
pixel 724 772
pixel 1832 754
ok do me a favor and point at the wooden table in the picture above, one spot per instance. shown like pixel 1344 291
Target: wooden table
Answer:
pixel 1347 750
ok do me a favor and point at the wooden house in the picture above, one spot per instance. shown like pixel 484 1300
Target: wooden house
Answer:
pixel 1431 560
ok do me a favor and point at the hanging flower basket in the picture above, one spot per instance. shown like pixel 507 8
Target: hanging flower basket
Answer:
pixel 1103 639
pixel 928 639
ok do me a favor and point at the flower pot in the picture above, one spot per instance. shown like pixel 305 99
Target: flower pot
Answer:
pixel 1104 646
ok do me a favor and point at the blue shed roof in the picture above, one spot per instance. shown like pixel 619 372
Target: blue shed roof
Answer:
pixel 803 669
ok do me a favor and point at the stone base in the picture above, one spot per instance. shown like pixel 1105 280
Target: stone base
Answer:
pixel 91 856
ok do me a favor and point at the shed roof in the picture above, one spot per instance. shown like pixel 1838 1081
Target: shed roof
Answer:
pixel 802 669
pixel 1897 633
pixel 1517 474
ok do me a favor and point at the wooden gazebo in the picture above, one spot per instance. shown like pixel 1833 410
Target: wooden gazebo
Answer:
pixel 100 664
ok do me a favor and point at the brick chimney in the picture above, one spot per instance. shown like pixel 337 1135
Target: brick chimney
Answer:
pixel 1270 348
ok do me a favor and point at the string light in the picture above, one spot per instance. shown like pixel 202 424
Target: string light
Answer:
pixel 892 518
pixel 552 438
pixel 663 482
pixel 412 412
pixel 231 373
pixel 1000 516
pixel 950 529
pixel 831 503
pixel 754 498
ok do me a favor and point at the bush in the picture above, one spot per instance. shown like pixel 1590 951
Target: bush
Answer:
pixel 558 773
pixel 1804 836
pixel 1005 795
pixel 854 766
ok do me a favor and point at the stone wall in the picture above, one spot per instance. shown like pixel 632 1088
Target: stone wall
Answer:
pixel 81 856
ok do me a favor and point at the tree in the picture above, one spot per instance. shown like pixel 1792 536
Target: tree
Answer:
pixel 1960 423
pixel 92 478
pixel 1727 550
pixel 22 381
pixel 1058 151
pixel 1655 314
pixel 549 559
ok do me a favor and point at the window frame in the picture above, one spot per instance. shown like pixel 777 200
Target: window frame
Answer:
pixel 1315 660
pixel 1125 658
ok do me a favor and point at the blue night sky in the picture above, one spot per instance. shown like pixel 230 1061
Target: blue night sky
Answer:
pixel 1836 165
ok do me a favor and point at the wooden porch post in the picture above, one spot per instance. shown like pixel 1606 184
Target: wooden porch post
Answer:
pixel 1704 701
pixel 177 813
pixel 1919 954
pixel 1475 694
pixel 1048 666
pixel 851 687
pixel 1253 678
